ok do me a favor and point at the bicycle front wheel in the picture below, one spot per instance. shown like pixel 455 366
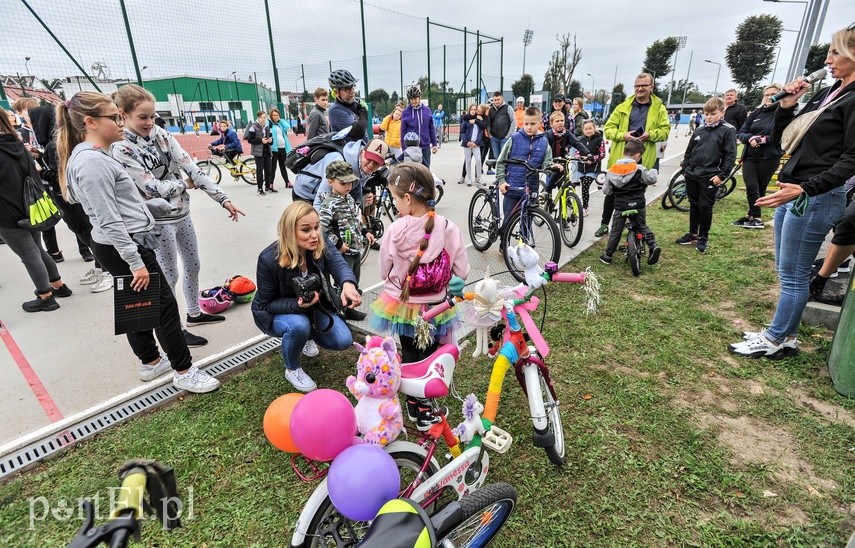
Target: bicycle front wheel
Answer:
pixel 366 247
pixel 538 230
pixel 484 513
pixel 571 220
pixel 440 192
pixel 483 222
pixel 632 254
pixel 327 520
pixel 247 171
pixel 211 170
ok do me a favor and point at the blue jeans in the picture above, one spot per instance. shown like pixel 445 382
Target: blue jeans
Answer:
pixel 295 330
pixel 496 146
pixel 797 243
pixel 426 156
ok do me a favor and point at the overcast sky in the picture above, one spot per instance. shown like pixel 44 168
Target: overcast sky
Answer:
pixel 196 37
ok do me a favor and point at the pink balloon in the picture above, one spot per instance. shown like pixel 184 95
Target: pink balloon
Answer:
pixel 323 424
pixel 361 479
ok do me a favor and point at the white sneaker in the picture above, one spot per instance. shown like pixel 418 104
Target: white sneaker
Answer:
pixel 104 283
pixel 757 347
pixel 195 380
pixel 151 372
pixel 300 379
pixel 788 345
pixel 92 275
pixel 310 349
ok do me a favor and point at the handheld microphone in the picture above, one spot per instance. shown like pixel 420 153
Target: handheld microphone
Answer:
pixel 810 79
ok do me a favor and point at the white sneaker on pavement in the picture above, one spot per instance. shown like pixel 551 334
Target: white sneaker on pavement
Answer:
pixel 151 372
pixel 300 379
pixel 92 275
pixel 310 349
pixel 195 380
pixel 104 283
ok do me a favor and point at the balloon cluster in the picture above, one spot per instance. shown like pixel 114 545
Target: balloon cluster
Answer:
pixel 321 425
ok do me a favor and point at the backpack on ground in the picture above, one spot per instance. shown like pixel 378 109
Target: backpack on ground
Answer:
pixel 313 150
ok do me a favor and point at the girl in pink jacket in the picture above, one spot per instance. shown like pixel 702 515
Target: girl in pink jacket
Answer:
pixel 419 253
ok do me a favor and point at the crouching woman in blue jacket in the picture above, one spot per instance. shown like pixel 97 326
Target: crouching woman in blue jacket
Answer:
pixel 289 270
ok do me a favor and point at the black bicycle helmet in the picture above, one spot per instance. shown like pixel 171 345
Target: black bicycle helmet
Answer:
pixel 414 91
pixel 341 79
pixel 411 139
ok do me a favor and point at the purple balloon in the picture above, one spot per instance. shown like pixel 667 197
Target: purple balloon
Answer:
pixel 323 424
pixel 361 479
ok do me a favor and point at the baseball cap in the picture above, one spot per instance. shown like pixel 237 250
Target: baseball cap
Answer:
pixel 558 97
pixel 342 171
pixel 377 151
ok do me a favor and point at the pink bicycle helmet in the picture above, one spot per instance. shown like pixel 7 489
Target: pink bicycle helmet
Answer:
pixel 214 300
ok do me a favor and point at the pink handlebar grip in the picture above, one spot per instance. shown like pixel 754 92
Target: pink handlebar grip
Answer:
pixel 436 310
pixel 569 277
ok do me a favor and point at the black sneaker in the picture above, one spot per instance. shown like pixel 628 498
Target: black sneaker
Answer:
pixel 412 408
pixel 194 340
pixel 740 222
pixel 41 305
pixel 203 318
pixel 260 193
pixel 702 245
pixel 61 291
pixel 687 239
pixel 271 189
pixel 57 257
pixel 754 223
pixel 607 259
pixel 87 256
pixel 355 315
pixel 655 251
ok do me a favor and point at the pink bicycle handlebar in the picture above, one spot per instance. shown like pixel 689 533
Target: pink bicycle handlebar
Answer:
pixel 432 313
pixel 569 277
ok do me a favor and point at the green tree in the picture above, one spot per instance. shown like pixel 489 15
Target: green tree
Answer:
pixel 394 98
pixel 562 65
pixel 751 56
pixel 573 90
pixel 657 59
pixel 523 87
pixel 816 57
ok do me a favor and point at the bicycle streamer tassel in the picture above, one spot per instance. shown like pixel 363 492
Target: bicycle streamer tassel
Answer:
pixel 423 333
pixel 592 292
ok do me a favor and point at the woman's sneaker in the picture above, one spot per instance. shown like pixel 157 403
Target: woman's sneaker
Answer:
pixel 754 223
pixel 687 239
pixel 92 275
pixel 310 349
pixel 104 283
pixel 195 380
pixel 62 291
pixel 758 347
pixel 192 340
pixel 151 372
pixel 300 380
pixel 203 318
pixel 789 347
pixel 41 305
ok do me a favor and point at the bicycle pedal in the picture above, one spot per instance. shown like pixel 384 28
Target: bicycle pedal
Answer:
pixel 497 439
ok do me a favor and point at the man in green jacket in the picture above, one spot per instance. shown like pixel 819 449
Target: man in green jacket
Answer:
pixel 642 117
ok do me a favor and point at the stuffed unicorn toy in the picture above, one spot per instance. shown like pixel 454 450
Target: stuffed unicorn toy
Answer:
pixel 523 255
pixel 467 429
pixel 375 386
pixel 485 311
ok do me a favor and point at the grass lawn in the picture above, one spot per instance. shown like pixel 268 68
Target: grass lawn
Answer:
pixel 670 440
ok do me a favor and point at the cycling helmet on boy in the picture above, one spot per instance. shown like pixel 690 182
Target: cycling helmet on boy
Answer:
pixel 411 139
pixel 414 91
pixel 341 79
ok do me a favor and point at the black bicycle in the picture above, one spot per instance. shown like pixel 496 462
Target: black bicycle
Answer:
pixel 528 223
pixel 635 244
pixel 677 198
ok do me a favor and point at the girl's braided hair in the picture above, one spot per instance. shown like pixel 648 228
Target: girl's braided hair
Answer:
pixel 417 181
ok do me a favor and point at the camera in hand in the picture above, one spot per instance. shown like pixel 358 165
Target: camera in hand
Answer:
pixel 305 287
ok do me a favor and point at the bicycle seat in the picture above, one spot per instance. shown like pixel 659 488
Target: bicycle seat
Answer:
pixel 629 212
pixel 430 377
pixel 400 522
pixel 491 163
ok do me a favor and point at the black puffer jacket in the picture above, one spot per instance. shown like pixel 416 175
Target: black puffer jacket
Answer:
pixel 711 151
pixel 15 164
pixel 760 124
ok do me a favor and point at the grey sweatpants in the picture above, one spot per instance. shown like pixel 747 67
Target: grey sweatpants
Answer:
pixel 28 247
pixel 174 240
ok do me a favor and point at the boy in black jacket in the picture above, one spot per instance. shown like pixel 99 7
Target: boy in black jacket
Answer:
pixel 627 179
pixel 560 142
pixel 709 158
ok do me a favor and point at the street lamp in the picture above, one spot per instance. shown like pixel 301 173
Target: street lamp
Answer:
pixel 528 36
pixel 799 39
pixel 27 65
pixel 715 91
pixel 593 85
pixel 681 43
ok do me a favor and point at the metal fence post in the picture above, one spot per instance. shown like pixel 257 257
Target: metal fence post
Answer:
pixel 279 103
pixel 428 62
pixel 131 42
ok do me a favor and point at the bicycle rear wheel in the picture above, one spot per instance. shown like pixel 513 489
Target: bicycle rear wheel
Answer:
pixel 211 170
pixel 247 171
pixel 483 222
pixel 725 188
pixel 535 228
pixel 571 220
pixel 440 192
pixel 366 247
pixel 632 254
pixel 677 192
pixel 484 513
pixel 327 519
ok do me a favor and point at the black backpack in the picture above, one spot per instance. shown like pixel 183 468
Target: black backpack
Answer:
pixel 314 150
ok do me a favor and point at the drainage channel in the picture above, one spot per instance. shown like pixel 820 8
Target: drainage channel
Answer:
pixel 31 454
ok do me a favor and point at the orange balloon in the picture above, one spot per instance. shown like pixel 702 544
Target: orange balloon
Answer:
pixel 277 422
